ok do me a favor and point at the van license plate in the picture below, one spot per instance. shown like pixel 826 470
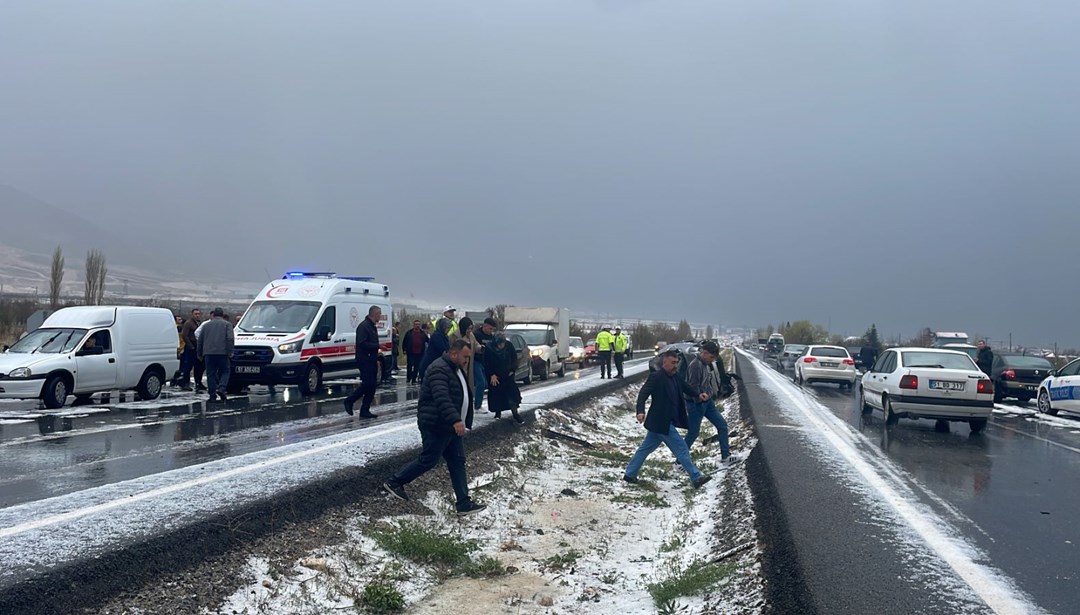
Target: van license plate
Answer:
pixel 247 369
pixel 946 385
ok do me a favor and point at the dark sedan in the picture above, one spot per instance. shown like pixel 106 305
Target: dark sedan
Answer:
pixel 1017 375
pixel 523 373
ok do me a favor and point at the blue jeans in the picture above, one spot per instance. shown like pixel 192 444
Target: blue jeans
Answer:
pixel 439 443
pixel 696 411
pixel 674 442
pixel 217 372
pixel 480 378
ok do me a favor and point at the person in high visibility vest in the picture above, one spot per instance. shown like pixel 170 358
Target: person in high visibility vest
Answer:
pixel 621 344
pixel 448 314
pixel 605 343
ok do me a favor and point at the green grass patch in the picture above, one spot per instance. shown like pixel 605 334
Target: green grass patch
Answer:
pixel 424 545
pixel 649 499
pixel 691 581
pixel 674 544
pixel 612 456
pixel 379 597
pixel 561 560
pixel 485 567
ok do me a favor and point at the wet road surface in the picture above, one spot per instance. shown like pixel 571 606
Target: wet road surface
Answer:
pixel 1013 491
pixel 45 453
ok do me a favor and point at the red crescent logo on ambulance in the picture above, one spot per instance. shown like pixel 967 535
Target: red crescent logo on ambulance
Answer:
pixel 277 291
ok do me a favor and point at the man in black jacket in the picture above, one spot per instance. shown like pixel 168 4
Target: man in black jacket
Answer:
pixel 985 360
pixel 367 359
pixel 667 411
pixel 443 414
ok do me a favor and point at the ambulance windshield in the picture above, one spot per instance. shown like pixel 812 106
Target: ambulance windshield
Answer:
pixel 278 316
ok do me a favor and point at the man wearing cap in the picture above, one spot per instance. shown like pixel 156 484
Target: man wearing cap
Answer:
pixel 704 382
pixel 449 313
pixel 605 343
pixel 215 346
pixel 621 344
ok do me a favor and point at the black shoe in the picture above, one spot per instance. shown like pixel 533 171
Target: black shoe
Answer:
pixel 185 387
pixel 498 415
pixel 211 400
pixel 395 490
pixel 367 415
pixel 470 508
pixel 699 483
pixel 348 408
pixel 222 396
pixel 200 389
pixel 629 479
pixel 517 417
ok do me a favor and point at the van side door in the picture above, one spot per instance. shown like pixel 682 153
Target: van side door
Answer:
pixel 95 363
pixel 326 340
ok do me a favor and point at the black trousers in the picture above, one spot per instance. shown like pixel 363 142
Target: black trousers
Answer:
pixel 605 363
pixel 412 366
pixel 440 443
pixel 619 358
pixel 369 380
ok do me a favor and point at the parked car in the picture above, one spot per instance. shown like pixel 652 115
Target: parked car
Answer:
pixel 825 364
pixel 786 359
pixel 577 352
pixel 523 373
pixel 90 349
pixel 1061 390
pixel 930 383
pixel 659 345
pixel 1017 375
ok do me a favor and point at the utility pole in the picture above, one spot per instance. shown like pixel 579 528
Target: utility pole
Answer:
pixel 1010 341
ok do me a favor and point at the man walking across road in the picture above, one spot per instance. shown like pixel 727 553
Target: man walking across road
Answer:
pixel 215 346
pixel 190 359
pixel 667 411
pixel 704 381
pixel 367 360
pixel 443 413
pixel 605 343
pixel 414 343
pixel 620 346
pixel 985 358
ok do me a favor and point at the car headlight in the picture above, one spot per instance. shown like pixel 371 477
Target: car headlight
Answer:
pixel 19 372
pixel 539 352
pixel 291 348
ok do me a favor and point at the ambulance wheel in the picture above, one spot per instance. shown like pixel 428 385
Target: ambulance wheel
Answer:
pixel 312 380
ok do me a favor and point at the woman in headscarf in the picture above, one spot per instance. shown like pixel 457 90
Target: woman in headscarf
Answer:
pixel 500 362
pixel 465 332
pixel 439 345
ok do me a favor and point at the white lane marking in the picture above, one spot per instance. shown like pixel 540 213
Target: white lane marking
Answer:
pixel 1022 433
pixel 993 587
pixel 259 465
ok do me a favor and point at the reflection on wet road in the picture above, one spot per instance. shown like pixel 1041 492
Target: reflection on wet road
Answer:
pixel 1013 491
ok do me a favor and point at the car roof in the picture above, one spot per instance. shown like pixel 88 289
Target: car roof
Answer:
pixel 826 346
pixel 921 349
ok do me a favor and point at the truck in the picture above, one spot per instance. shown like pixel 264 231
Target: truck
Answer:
pixel 547 332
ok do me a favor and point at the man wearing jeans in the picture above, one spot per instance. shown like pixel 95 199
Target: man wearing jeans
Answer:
pixel 443 413
pixel 704 381
pixel 215 345
pixel 667 411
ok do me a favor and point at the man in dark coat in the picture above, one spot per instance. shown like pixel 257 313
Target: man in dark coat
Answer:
pixel 367 359
pixel 215 346
pixel 443 413
pixel 667 411
pixel 414 343
pixel 500 364
pixel 985 359
pixel 868 356
pixel 438 345
pixel 189 360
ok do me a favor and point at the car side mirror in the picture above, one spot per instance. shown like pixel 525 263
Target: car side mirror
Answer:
pixel 6 347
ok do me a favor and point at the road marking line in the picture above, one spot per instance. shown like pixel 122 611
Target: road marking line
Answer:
pixel 1014 430
pixel 987 583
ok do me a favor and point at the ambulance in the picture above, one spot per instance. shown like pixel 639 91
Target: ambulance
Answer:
pixel 302 328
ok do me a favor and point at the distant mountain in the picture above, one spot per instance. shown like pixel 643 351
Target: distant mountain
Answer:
pixel 32 228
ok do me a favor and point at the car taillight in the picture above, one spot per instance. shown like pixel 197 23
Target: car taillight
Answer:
pixel 809 359
pixel 1009 374
pixel 849 361
pixel 986 387
pixel 909 382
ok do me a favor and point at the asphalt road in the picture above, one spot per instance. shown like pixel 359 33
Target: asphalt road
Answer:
pixel 47 453
pixel 915 518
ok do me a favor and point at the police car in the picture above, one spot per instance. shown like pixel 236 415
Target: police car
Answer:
pixel 1061 390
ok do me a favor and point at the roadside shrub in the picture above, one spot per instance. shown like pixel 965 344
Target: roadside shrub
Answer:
pixel 697 577
pixel 379 597
pixel 424 545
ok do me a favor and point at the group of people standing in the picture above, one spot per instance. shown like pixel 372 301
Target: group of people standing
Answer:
pixel 611 345
pixel 204 347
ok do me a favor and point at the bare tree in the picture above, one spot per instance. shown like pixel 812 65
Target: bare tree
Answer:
pixel 56 278
pixel 95 278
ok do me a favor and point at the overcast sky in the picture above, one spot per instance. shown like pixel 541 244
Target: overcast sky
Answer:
pixel 905 163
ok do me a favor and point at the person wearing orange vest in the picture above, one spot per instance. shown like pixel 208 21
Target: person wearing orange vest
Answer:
pixel 605 343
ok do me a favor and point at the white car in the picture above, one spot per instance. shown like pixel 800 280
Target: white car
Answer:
pixel 929 383
pixel 825 364
pixel 577 352
pixel 1061 390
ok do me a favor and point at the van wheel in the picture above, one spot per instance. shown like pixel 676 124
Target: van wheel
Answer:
pixel 150 385
pixel 890 417
pixel 55 392
pixel 312 381
pixel 1044 404
pixel 977 425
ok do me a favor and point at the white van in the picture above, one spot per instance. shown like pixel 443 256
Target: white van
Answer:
pixel 303 327
pixel 84 350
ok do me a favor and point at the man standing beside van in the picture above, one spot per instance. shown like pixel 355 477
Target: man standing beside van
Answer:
pixel 190 358
pixel 215 346
pixel 367 360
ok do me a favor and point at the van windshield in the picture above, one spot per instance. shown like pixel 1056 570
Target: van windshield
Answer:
pixel 534 337
pixel 49 341
pixel 278 316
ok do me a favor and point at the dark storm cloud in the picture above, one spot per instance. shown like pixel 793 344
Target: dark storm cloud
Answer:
pixel 747 162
